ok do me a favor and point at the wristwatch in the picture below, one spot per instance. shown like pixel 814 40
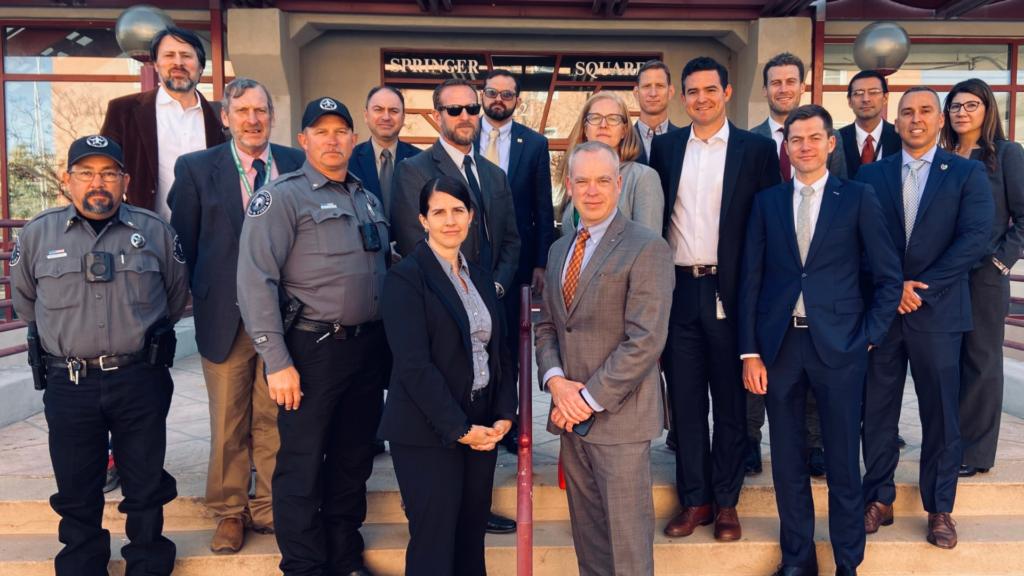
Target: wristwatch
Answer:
pixel 499 290
pixel 1002 269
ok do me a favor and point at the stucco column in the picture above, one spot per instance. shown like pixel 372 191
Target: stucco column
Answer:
pixel 768 37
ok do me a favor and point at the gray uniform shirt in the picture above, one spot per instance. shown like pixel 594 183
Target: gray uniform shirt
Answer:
pixel 302 235
pixel 479 318
pixel 87 320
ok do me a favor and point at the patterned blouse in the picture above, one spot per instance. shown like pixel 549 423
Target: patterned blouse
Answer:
pixel 479 319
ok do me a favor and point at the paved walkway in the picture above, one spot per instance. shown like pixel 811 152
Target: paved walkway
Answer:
pixel 23 448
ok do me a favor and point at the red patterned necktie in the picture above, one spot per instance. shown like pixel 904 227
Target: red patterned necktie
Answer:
pixel 867 155
pixel 784 166
pixel 572 274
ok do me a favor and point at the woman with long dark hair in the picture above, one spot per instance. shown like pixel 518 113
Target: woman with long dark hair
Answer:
pixel 973 130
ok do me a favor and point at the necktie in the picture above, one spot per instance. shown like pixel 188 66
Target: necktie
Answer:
pixel 492 146
pixel 911 196
pixel 387 174
pixel 572 274
pixel 803 235
pixel 784 167
pixel 479 215
pixel 261 174
pixel 867 155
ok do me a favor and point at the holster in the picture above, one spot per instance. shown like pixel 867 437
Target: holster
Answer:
pixel 35 357
pixel 162 342
pixel 290 312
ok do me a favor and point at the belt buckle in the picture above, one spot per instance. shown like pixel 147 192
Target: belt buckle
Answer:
pixel 339 332
pixel 697 274
pixel 796 322
pixel 104 368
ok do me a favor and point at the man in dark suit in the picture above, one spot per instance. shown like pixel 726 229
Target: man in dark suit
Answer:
pixel 868 95
pixel 803 327
pixel 653 92
pixel 375 160
pixel 154 128
pixel 705 221
pixel 939 212
pixel 211 190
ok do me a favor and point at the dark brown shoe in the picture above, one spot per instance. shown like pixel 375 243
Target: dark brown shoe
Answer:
pixel 727 524
pixel 942 530
pixel 687 521
pixel 876 514
pixel 263 528
pixel 228 537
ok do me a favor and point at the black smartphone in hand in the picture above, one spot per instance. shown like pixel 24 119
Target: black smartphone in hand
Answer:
pixel 583 428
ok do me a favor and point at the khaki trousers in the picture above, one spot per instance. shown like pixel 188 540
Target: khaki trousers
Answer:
pixel 240 405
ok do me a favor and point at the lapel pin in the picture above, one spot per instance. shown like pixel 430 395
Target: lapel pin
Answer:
pixel 519 140
pixel 944 166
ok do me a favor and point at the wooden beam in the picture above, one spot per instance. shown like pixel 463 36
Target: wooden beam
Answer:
pixel 956 8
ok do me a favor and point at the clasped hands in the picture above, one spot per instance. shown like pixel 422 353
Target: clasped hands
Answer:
pixel 911 301
pixel 570 407
pixel 483 438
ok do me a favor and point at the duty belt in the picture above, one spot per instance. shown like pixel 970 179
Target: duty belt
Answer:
pixel 337 331
pixel 699 271
pixel 79 367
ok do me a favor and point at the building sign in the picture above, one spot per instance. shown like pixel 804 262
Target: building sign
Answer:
pixel 607 68
pixel 439 66
pixel 436 66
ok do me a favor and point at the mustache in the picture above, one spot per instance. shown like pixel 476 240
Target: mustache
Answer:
pixel 329 149
pixel 101 192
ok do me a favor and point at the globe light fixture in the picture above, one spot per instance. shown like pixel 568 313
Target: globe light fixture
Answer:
pixel 881 46
pixel 134 31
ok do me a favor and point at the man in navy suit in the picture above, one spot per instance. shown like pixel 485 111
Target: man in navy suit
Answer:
pixel 653 92
pixel 939 213
pixel 868 95
pixel 375 160
pixel 211 190
pixel 803 325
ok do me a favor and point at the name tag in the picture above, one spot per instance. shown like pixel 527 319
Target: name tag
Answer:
pixel 56 254
pixel 328 205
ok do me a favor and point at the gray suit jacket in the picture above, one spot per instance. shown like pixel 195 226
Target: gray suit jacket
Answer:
pixel 612 335
pixel 498 211
pixel 836 160
pixel 1007 184
pixel 641 200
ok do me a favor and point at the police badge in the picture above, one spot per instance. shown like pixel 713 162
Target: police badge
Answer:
pixel 259 204
pixel 179 253
pixel 16 255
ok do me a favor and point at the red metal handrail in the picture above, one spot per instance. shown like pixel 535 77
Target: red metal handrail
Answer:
pixel 524 483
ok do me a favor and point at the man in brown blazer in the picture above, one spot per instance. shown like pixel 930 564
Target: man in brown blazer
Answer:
pixel 155 127
pixel 598 342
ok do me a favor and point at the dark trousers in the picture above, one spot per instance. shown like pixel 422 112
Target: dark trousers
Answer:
pixel 130 404
pixel 981 367
pixel 326 454
pixel 838 392
pixel 934 359
pixel 447 495
pixel 702 353
pixel 755 419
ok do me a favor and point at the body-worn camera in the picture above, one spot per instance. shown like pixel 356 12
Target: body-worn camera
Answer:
pixel 371 238
pixel 99 266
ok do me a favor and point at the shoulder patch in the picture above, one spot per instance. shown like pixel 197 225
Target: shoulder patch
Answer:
pixel 259 204
pixel 16 255
pixel 179 253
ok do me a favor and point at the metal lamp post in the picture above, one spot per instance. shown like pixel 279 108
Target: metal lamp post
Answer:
pixel 134 30
pixel 881 46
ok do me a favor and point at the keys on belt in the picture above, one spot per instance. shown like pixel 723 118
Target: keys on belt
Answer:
pixel 699 271
pixel 799 321
pixel 79 367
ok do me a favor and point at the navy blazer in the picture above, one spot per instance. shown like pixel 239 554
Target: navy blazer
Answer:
pixel 529 177
pixel 954 221
pixel 850 225
pixel 643 159
pixel 364 165
pixel 207 213
pixel 891 144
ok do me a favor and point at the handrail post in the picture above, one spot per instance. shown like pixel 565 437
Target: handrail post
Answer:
pixel 524 483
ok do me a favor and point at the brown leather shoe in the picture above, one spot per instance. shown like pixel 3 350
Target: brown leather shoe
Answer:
pixel 687 521
pixel 263 528
pixel 877 514
pixel 942 530
pixel 228 537
pixel 727 524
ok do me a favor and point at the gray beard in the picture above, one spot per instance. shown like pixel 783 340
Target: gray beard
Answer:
pixel 181 86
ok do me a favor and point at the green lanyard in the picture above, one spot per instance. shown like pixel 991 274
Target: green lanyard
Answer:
pixel 241 171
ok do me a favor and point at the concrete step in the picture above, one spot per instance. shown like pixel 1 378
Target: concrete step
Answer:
pixel 988 545
pixel 25 508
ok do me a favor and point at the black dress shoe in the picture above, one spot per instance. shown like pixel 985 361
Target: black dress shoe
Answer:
pixel 499 524
pixel 378 447
pixel 968 471
pixel 794 571
pixel 754 457
pixel 900 441
pixel 670 441
pixel 113 478
pixel 845 571
pixel 816 462
pixel 360 572
pixel 511 440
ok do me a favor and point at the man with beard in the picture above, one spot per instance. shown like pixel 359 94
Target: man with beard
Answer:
pixel 101 285
pixel 653 92
pixel 783 88
pixel 155 127
pixel 375 159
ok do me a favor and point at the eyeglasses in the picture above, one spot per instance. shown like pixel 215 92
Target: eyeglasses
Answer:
pixel 506 95
pixel 594 119
pixel 969 106
pixel 871 92
pixel 455 111
pixel 88 175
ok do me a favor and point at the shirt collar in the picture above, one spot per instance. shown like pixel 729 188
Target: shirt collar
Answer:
pixel 122 216
pixel 929 156
pixel 876 134
pixel 503 132
pixel 446 265
pixel 647 131
pixel 456 154
pixel 722 134
pixel 246 159
pixel 318 180
pixel 818 185
pixel 377 149
pixel 163 98
pixel 597 230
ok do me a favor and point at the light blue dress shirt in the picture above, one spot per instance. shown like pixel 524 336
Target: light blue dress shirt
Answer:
pixel 922 172
pixel 504 141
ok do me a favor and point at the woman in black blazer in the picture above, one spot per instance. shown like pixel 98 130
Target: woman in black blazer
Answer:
pixel 973 130
pixel 452 396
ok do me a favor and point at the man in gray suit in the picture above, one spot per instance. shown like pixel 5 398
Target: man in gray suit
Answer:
pixel 598 342
pixel 493 241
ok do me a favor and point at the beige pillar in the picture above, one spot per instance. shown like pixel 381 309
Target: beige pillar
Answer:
pixel 768 37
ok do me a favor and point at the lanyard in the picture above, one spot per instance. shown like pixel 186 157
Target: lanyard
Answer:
pixel 241 171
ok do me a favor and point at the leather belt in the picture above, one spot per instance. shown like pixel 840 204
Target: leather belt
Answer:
pixel 337 331
pixel 103 363
pixel 800 322
pixel 699 271
pixel 477 394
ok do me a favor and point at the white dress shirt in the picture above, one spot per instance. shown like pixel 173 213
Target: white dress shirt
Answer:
pixel 178 131
pixel 504 140
pixel 596 234
pixel 458 156
pixel 922 172
pixel 876 138
pixel 647 133
pixel 693 234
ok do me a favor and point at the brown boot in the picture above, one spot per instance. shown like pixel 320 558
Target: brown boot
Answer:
pixel 876 514
pixel 687 521
pixel 228 537
pixel 942 530
pixel 727 524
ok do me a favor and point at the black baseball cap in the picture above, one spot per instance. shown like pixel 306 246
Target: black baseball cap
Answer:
pixel 325 105
pixel 92 145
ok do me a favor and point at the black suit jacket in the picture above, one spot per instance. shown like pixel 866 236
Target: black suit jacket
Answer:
pixel 364 165
pixel 891 144
pixel 643 159
pixel 498 211
pixel 529 177
pixel 751 165
pixel 207 213
pixel 432 376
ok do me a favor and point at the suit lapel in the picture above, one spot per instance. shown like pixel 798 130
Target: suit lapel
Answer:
pixel 891 142
pixel 733 166
pixel 515 150
pixel 936 174
pixel 227 183
pixel 559 252
pixel 368 164
pixel 283 161
pixel 439 283
pixel 485 188
pixel 784 203
pixel 831 198
pixel 445 163
pixel 145 119
pixel 211 122
pixel 678 151
pixel 406 151
pixel 849 134
pixel 893 171
pixel 608 243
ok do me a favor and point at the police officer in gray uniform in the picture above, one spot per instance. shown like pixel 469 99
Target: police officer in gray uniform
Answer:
pixel 315 241
pixel 101 285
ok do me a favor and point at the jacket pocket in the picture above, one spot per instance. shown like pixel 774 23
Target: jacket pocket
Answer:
pixel 850 306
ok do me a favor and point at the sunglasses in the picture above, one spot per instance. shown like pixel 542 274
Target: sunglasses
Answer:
pixel 506 95
pixel 455 111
